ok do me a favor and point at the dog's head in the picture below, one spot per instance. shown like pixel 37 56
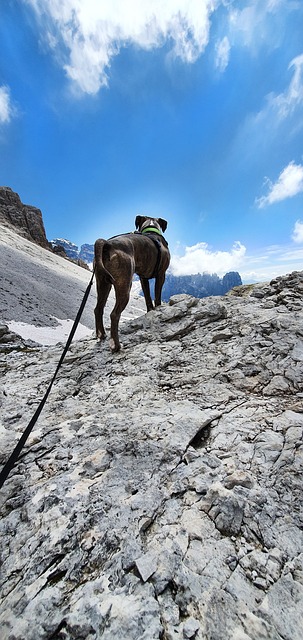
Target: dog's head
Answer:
pixel 142 222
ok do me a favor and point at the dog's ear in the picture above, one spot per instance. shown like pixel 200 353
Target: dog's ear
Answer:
pixel 163 224
pixel 139 221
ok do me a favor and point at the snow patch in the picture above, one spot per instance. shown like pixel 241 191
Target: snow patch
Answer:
pixel 47 336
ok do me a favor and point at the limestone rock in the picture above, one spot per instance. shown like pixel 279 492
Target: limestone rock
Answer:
pixel 10 341
pixel 160 493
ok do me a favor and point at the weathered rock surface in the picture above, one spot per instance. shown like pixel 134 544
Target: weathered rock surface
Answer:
pixel 25 219
pixel 11 341
pixel 160 494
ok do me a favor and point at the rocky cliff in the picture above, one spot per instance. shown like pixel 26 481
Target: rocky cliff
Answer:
pixel 24 219
pixel 160 494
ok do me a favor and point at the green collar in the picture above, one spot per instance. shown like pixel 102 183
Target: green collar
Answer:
pixel 153 229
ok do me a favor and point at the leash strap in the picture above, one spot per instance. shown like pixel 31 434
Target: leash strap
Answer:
pixel 157 242
pixel 158 245
pixel 20 444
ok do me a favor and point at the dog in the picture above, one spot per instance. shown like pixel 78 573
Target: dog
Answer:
pixel 145 252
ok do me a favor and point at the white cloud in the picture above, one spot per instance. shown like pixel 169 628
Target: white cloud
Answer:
pixel 89 34
pixel 222 54
pixel 279 107
pixel 280 115
pixel 286 102
pixel 6 110
pixel 289 184
pixel 258 21
pixel 199 259
pixel 297 235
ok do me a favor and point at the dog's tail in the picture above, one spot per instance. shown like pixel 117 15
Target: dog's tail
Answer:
pixel 101 249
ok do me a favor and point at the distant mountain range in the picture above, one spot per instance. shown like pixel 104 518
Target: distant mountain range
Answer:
pixel 200 285
pixel 85 253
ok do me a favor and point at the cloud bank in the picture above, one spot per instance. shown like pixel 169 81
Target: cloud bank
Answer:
pixel 89 34
pixel 199 259
pixel 289 184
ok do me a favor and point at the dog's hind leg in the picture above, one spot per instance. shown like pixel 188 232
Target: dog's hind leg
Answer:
pixel 146 292
pixel 103 289
pixel 122 297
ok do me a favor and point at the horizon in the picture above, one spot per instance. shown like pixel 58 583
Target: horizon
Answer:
pixel 90 264
pixel 189 111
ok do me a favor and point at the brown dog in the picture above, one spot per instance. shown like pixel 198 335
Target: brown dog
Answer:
pixel 144 252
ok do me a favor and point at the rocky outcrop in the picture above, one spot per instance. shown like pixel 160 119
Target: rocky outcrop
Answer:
pixel 24 219
pixel 160 494
pixel 59 250
pixel 11 341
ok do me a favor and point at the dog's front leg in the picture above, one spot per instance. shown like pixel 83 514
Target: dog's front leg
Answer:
pixel 158 288
pixel 146 292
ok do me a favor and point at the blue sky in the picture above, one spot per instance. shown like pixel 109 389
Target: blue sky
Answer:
pixel 191 110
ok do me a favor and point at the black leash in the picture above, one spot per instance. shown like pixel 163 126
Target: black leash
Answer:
pixel 158 245
pixel 20 444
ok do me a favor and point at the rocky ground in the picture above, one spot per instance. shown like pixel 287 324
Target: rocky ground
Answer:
pixel 160 494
